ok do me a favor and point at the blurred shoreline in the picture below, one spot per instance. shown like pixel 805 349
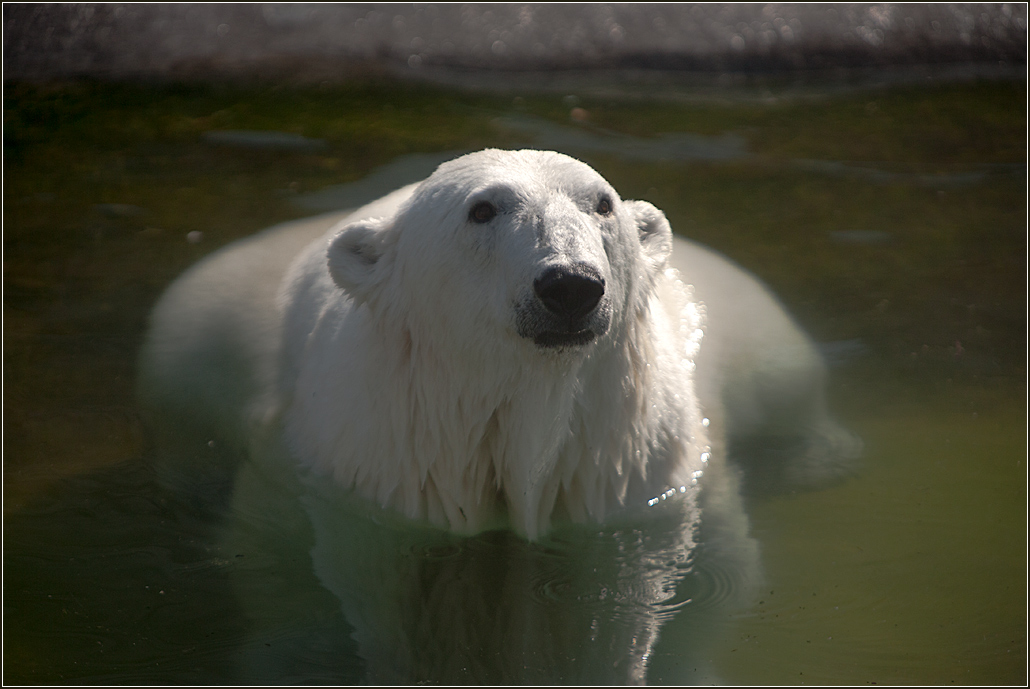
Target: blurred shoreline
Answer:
pixel 635 48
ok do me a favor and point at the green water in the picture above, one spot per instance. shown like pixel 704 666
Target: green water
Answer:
pixel 891 221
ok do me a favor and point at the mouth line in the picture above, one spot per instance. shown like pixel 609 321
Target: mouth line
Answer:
pixel 564 339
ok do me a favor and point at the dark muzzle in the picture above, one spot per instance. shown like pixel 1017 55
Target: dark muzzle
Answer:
pixel 570 293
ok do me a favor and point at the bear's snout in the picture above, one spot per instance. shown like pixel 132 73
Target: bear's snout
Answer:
pixel 570 293
pixel 569 308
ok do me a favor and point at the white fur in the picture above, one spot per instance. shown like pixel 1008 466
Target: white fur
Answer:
pixel 385 347
pixel 393 357
pixel 405 378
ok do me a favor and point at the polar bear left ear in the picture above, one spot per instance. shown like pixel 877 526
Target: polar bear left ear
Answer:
pixel 359 256
pixel 654 231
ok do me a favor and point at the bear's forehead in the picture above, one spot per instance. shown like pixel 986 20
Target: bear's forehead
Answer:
pixel 529 172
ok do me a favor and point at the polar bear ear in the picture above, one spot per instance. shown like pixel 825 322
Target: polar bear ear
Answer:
pixel 359 256
pixel 654 231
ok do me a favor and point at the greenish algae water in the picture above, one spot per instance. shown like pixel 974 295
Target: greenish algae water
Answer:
pixel 892 222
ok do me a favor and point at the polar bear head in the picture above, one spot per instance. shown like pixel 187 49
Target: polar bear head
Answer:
pixel 524 249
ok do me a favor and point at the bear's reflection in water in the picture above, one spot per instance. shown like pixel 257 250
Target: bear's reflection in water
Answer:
pixel 582 605
pixel 507 345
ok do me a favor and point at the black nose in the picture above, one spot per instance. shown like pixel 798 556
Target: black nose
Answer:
pixel 570 292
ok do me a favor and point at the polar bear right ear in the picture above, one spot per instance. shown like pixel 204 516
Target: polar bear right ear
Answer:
pixel 359 256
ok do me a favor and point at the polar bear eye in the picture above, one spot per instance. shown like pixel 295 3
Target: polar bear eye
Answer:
pixel 482 212
pixel 604 206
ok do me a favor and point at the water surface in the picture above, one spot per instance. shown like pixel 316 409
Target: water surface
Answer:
pixel 891 221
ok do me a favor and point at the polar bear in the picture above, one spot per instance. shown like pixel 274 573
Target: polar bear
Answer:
pixel 505 345
pixel 510 342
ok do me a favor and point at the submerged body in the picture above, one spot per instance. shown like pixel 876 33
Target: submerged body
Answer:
pixel 505 345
